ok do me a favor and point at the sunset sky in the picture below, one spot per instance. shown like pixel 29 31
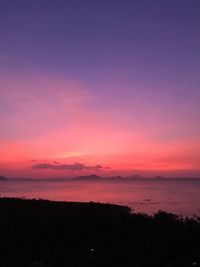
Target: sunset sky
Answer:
pixel 110 87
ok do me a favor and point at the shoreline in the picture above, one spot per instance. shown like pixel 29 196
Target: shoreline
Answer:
pixel 47 233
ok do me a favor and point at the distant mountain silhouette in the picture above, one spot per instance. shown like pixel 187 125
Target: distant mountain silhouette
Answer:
pixel 139 177
pixel 92 177
pixel 116 177
pixel 158 178
pixel 136 176
pixel 2 178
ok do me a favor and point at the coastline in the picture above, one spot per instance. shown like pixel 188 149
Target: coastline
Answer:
pixel 50 233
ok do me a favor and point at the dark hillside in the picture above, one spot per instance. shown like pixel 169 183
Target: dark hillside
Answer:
pixel 54 234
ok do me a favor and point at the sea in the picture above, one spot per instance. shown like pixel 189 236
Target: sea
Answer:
pixel 180 196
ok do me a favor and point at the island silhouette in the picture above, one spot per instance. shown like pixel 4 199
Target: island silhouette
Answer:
pixel 2 178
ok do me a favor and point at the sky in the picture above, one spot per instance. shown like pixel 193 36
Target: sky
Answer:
pixel 107 87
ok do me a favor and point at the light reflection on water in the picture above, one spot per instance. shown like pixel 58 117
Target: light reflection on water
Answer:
pixel 182 197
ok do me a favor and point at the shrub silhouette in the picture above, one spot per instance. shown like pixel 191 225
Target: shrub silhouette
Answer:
pixel 46 234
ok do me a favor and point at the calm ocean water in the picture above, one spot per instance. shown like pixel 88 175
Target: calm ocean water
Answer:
pixel 179 196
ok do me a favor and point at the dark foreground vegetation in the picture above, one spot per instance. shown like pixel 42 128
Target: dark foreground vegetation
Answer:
pixel 40 233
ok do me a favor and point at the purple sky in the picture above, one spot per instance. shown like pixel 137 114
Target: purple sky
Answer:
pixel 114 83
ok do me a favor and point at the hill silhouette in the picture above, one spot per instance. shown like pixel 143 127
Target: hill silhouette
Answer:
pixel 47 234
pixel 91 177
